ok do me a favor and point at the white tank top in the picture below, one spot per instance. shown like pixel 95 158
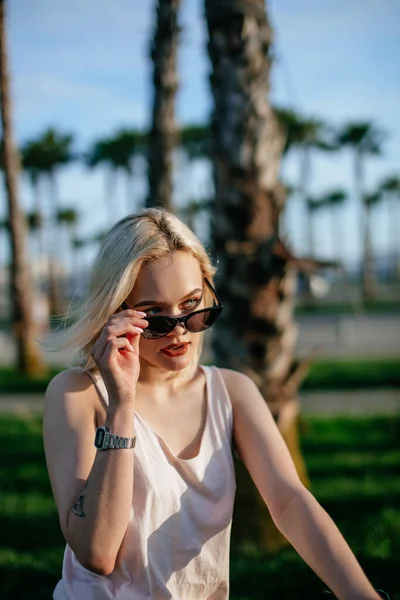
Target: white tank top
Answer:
pixel 177 541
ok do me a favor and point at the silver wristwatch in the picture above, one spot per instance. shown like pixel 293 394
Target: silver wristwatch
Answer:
pixel 104 440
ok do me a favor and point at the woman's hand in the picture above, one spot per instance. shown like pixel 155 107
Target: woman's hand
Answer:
pixel 116 354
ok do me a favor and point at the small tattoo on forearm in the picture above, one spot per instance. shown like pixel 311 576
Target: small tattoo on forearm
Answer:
pixel 77 509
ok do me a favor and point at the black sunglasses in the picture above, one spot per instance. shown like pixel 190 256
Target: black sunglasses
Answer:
pixel 195 322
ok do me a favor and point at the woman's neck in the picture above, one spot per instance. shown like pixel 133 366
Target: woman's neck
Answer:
pixel 152 376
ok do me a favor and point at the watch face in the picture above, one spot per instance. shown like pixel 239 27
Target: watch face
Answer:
pixel 99 439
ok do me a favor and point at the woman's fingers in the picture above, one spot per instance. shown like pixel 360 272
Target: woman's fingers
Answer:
pixel 113 347
pixel 127 327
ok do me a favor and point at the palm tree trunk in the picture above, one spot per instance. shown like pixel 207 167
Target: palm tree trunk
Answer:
pixel 163 128
pixel 256 334
pixel 305 169
pixel 368 283
pixel 129 189
pixel 28 355
pixel 369 277
pixel 111 189
pixel 336 230
pixel 43 257
pixel 57 295
pixel 394 236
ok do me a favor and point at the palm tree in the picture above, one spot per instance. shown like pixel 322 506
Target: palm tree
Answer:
pixel 390 188
pixel 194 208
pixel 50 151
pixel 31 164
pixel 304 135
pixel 69 218
pixel 334 200
pixel 163 129
pixel 44 156
pixel 371 200
pixel 364 139
pixel 28 357
pixel 34 224
pixel 195 141
pixel 118 153
pixel 314 205
pixel 256 272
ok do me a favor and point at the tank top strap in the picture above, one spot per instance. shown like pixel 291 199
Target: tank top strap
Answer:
pixel 99 385
pixel 219 402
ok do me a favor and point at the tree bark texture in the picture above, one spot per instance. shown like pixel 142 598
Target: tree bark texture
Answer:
pixel 163 129
pixel 21 288
pixel 255 333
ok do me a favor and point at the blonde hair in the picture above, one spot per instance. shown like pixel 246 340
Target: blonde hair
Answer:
pixel 132 242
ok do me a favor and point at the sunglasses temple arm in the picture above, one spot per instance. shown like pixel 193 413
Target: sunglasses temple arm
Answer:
pixel 210 287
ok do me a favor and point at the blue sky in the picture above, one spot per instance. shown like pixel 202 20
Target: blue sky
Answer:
pixel 83 66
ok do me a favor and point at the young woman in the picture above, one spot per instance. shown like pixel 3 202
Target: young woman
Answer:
pixel 138 437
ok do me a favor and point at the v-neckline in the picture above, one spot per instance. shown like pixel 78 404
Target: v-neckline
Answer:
pixel 203 433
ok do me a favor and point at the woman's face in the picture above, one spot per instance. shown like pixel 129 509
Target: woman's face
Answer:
pixel 171 286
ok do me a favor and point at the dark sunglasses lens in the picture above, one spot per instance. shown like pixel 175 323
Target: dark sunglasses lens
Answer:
pixel 157 327
pixel 202 320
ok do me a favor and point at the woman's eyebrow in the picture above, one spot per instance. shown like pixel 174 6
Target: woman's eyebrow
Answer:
pixel 161 303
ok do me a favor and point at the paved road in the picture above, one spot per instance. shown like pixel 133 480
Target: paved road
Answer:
pixel 356 403
pixel 349 335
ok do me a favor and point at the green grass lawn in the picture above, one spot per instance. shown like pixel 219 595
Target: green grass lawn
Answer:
pixel 354 466
pixel 324 375
pixel 353 374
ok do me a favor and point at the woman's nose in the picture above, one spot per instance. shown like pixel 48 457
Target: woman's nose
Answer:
pixel 179 329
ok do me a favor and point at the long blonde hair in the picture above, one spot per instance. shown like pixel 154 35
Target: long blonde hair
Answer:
pixel 132 242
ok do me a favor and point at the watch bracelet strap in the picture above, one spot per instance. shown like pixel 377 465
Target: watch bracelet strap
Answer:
pixel 116 442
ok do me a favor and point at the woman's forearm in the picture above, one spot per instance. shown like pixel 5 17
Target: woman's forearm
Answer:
pixel 316 538
pixel 99 518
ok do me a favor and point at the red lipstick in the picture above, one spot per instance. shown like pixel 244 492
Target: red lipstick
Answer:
pixel 175 349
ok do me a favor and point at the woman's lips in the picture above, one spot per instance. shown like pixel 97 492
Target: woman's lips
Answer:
pixel 176 350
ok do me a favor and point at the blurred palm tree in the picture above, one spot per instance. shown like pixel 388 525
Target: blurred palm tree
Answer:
pixel 334 200
pixel 364 139
pixel 257 278
pixel 82 260
pixel 118 153
pixel 29 360
pixel 30 158
pixel 34 223
pixel 163 134
pixel 44 156
pixel 193 209
pixel 69 218
pixel 305 135
pixel 314 205
pixel 195 141
pixel 390 188
pixel 371 200
pixel 4 228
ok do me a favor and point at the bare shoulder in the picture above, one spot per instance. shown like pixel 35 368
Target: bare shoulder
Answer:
pixel 71 398
pixel 70 387
pixel 70 380
pixel 238 384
